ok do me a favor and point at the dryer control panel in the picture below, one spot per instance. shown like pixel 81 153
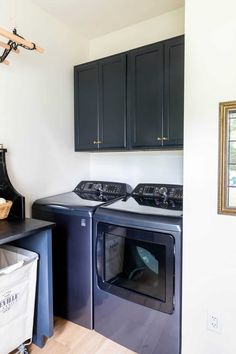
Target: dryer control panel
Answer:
pixel 169 196
pixel 171 191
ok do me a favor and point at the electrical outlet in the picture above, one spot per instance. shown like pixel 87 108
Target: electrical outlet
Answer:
pixel 213 322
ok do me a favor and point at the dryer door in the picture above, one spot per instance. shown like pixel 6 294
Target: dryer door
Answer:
pixel 137 265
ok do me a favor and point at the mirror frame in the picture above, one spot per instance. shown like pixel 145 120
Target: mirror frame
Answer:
pixel 223 187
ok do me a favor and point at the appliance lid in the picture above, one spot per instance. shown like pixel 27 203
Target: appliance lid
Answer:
pixel 69 200
pixel 130 205
pixel 87 195
pixel 153 199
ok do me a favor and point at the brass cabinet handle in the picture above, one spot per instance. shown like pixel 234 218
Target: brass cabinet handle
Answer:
pixel 97 142
pixel 164 138
pixel 159 139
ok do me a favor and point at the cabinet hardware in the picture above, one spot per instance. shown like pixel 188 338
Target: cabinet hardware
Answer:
pixel 159 139
pixel 164 138
pixel 97 142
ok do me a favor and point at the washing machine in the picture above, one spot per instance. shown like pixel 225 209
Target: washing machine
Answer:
pixel 72 245
pixel 137 267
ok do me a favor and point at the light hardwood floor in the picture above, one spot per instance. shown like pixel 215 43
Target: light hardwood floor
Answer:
pixel 70 338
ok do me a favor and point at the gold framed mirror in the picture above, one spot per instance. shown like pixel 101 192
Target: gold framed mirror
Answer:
pixel 227 159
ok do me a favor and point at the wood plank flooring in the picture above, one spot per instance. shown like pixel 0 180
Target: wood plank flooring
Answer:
pixel 70 338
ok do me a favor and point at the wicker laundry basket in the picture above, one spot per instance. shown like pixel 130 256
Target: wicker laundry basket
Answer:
pixel 5 209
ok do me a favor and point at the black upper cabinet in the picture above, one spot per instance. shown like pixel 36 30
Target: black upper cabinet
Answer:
pixel 112 102
pixel 145 83
pixel 155 88
pixel 100 104
pixel 148 83
pixel 86 106
pixel 174 92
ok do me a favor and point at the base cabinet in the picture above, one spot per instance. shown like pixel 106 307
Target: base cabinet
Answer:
pixel 35 235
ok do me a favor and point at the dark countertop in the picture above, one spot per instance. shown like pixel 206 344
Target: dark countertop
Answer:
pixel 14 230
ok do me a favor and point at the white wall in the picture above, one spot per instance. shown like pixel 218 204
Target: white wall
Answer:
pixel 136 167
pixel 209 239
pixel 36 90
pixel 158 28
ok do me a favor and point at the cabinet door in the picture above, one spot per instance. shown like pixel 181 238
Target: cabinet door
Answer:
pixel 146 96
pixel 86 106
pixel 174 92
pixel 112 102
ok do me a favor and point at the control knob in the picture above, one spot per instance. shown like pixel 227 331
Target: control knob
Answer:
pixel 98 187
pixel 102 197
pixel 164 204
pixel 163 191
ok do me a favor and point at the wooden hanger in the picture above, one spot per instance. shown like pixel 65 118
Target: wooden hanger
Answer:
pixel 14 41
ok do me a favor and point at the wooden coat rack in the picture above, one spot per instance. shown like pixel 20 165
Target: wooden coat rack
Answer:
pixel 14 41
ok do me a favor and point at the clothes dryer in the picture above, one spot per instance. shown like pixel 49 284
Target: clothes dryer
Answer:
pixel 137 267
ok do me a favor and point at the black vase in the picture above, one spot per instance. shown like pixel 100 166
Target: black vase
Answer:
pixel 8 192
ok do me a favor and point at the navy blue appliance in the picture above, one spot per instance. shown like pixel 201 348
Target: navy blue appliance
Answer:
pixel 72 245
pixel 137 283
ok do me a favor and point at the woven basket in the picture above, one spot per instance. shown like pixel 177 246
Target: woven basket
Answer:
pixel 4 209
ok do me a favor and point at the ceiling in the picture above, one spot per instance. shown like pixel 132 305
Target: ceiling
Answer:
pixel 94 18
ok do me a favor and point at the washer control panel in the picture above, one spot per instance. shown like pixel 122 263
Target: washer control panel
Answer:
pixel 101 187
